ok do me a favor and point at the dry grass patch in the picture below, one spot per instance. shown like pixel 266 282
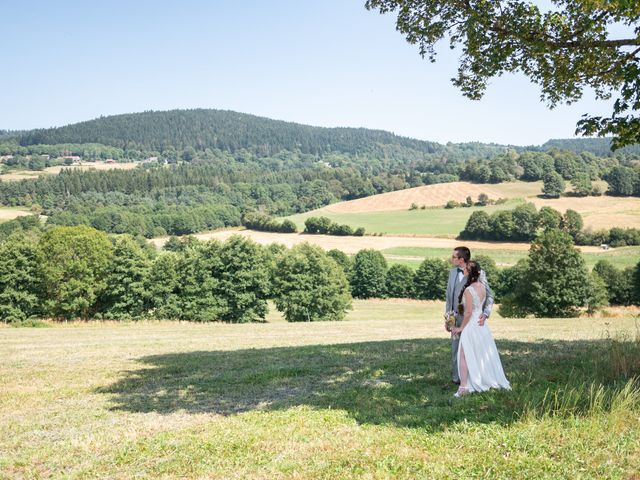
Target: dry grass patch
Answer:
pixel 10 213
pixel 434 196
pixel 98 165
pixel 598 212
pixel 355 244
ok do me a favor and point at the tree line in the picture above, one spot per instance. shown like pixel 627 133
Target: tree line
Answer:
pixel 82 273
pixel 69 273
pixel 524 222
pixel 218 189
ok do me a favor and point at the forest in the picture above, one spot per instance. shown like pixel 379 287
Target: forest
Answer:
pixel 210 168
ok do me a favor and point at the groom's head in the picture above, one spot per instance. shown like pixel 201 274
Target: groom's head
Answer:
pixel 460 256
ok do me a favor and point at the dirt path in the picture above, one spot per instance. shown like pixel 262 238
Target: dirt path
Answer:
pixel 354 244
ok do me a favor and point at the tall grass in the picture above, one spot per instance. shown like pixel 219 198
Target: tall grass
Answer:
pixel 618 362
pixel 624 354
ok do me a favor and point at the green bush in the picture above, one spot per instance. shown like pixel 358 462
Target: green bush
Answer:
pixel 430 279
pixel 399 281
pixel 369 274
pixel 310 286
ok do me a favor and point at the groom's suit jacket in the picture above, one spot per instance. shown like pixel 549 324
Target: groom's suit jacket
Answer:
pixel 454 287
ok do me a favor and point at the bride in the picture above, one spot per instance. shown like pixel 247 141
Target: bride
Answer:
pixel 478 359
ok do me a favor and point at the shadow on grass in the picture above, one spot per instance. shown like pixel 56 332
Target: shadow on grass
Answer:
pixel 403 382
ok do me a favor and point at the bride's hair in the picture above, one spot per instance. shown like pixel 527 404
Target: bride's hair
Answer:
pixel 474 274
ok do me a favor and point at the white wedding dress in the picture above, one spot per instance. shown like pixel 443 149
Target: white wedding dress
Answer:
pixel 480 351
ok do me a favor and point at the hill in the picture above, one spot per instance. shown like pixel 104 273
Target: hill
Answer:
pixel 222 129
pixel 598 146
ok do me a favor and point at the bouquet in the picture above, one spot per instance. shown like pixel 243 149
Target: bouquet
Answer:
pixel 450 321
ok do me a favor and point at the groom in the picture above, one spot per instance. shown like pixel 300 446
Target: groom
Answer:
pixel 457 280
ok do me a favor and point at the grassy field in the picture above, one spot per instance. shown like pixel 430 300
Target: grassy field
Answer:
pixel 620 257
pixel 438 222
pixel 365 398
pixel 389 212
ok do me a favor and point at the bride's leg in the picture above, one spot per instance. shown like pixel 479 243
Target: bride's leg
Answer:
pixel 464 370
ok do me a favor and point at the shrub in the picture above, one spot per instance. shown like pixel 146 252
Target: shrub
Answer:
pixel 310 286
pixel 369 274
pixel 399 281
pixel 553 185
pixel 74 270
pixel 340 230
pixel 556 278
pixel 20 279
pixel 343 260
pixel 242 280
pixel 430 279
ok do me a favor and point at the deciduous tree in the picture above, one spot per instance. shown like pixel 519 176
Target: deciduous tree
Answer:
pixel 565 49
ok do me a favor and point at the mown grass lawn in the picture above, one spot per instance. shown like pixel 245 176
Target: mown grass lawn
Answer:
pixel 365 398
pixel 620 257
pixel 442 222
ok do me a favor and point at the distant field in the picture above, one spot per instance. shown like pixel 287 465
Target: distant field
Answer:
pixel 389 212
pixel 438 222
pixel 9 213
pixel 598 212
pixel 25 174
pixel 354 244
pixel 620 257
pixel 435 196
pixel 369 397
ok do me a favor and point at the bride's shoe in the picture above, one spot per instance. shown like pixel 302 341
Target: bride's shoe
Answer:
pixel 462 391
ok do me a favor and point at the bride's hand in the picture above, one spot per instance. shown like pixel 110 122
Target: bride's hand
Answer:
pixel 456 330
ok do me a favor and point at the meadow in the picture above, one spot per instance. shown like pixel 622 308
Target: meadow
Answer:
pixel 365 398
pixel 437 222
pixel 389 213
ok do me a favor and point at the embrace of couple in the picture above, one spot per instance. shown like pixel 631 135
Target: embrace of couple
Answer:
pixel 475 358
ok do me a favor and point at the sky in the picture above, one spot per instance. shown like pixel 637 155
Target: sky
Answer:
pixel 329 63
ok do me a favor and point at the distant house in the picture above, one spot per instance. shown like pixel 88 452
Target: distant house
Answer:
pixel 72 157
pixel 109 160
pixel 151 159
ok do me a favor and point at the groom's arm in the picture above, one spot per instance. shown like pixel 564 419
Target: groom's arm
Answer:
pixel 448 303
pixel 488 301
